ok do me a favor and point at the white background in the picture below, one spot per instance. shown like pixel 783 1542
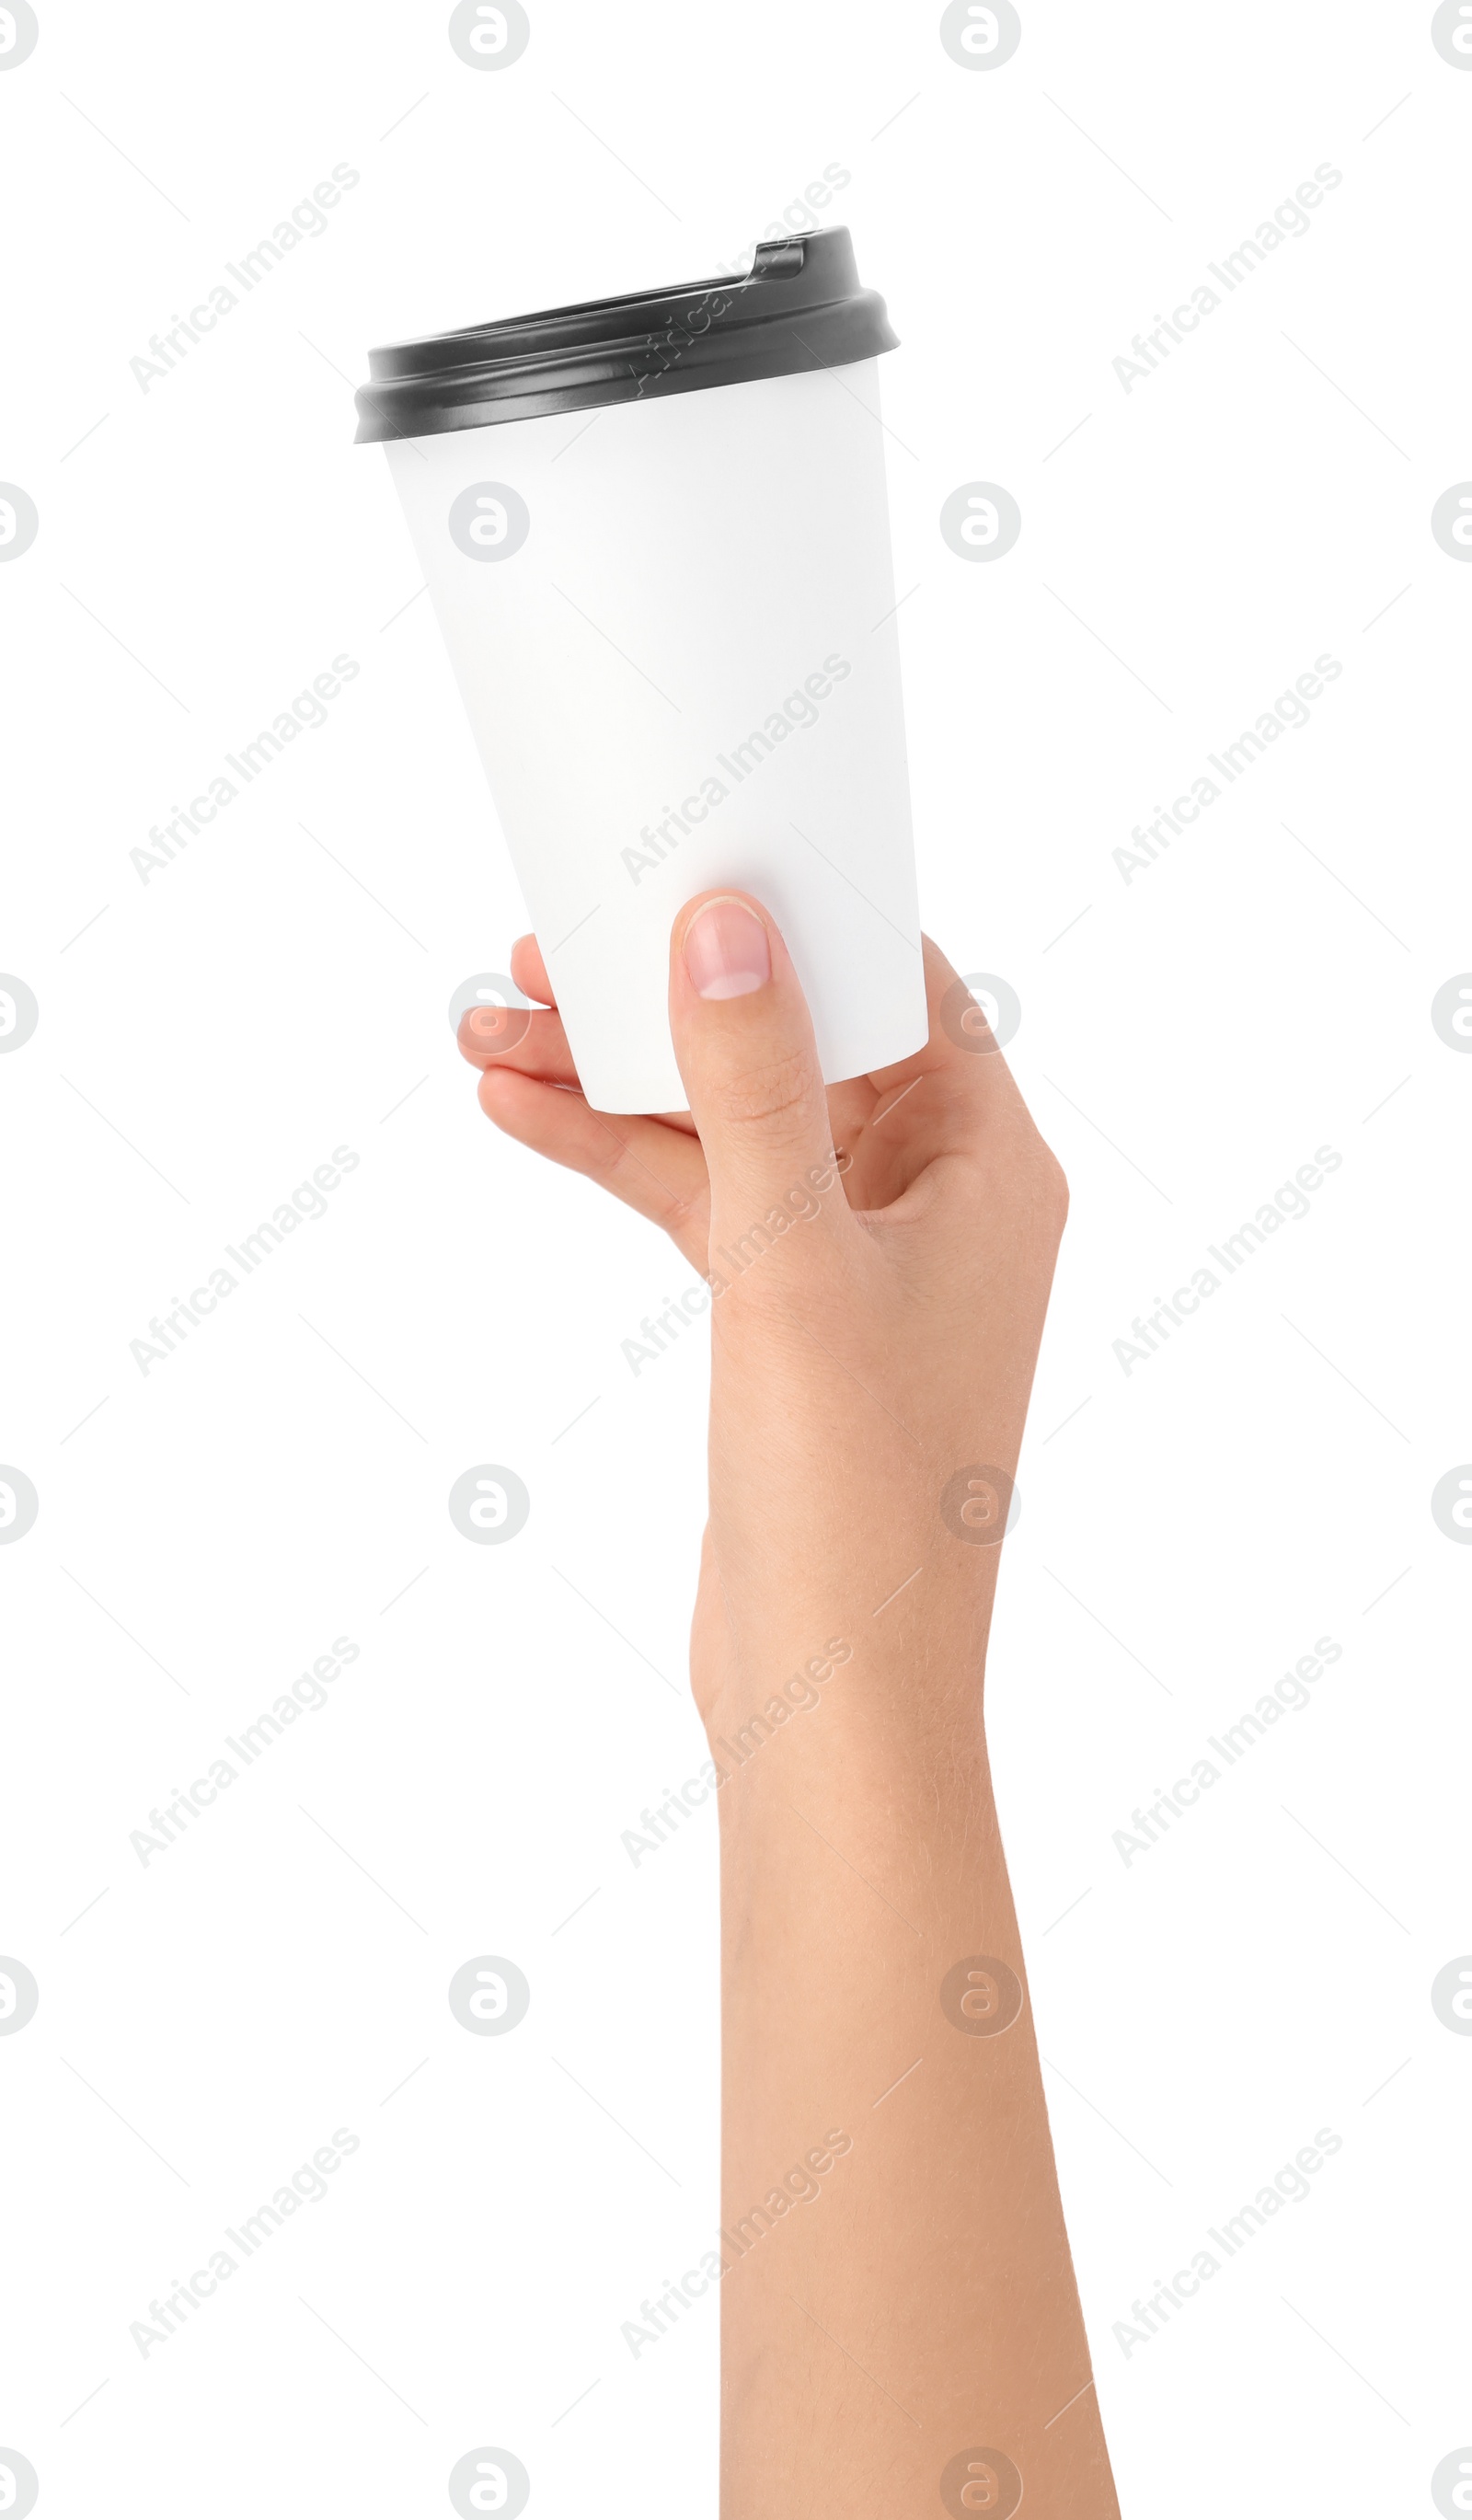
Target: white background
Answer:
pixel 207 1037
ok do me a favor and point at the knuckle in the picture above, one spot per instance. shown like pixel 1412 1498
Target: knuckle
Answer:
pixel 1053 1193
pixel 1021 1174
pixel 769 1100
pixel 607 1150
pixel 681 1215
pixel 616 1164
pixel 1045 1185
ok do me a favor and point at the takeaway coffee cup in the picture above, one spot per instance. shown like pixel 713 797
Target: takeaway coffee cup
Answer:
pixel 655 533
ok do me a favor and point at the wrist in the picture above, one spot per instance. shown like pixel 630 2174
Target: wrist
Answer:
pixel 883 1756
pixel 808 1687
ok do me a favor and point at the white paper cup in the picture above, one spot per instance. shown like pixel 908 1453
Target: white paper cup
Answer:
pixel 672 619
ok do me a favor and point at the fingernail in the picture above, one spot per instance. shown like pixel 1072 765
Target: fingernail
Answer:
pixel 726 951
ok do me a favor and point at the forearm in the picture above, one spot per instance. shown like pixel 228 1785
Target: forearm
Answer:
pixel 914 2300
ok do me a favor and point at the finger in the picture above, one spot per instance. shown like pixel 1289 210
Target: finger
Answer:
pixel 743 1039
pixel 530 1039
pixel 533 1042
pixel 659 1172
pixel 959 1085
pixel 529 972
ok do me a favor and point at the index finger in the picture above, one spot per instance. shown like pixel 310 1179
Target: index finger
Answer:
pixel 967 1083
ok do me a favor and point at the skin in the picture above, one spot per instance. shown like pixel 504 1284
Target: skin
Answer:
pixel 871 1369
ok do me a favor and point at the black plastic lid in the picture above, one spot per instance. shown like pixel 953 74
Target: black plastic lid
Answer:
pixel 799 307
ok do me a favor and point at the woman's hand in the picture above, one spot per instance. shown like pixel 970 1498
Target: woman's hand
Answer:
pixel 879 1256
pixel 900 2330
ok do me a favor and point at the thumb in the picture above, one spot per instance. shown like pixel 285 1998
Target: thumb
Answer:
pixel 744 1038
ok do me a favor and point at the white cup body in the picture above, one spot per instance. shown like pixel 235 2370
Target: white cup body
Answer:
pixel 676 643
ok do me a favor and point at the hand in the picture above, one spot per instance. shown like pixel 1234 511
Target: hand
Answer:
pixel 880 1256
